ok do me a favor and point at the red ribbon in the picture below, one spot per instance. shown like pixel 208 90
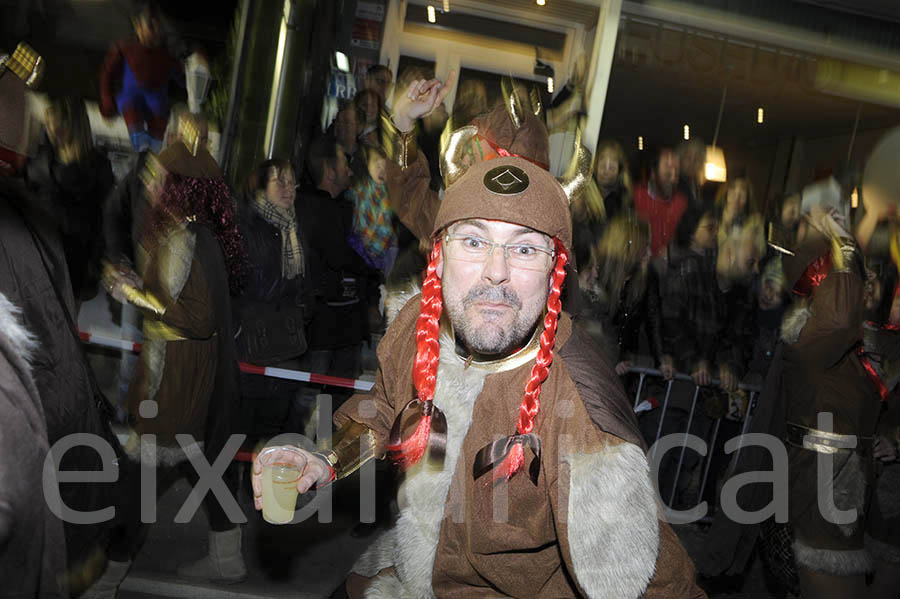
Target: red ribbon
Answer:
pixel 873 376
pixel 501 151
pixel 813 276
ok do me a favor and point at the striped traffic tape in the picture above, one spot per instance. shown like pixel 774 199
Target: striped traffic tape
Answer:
pixel 278 373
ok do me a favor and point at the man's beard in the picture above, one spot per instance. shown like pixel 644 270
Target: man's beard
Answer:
pixel 491 338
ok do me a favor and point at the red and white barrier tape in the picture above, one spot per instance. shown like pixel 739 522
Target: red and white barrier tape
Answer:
pixel 278 373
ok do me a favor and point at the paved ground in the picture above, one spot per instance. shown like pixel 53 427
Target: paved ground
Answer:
pixel 305 560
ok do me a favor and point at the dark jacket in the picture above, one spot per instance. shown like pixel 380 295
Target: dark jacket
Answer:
pixel 342 279
pixel 73 195
pixel 33 276
pixel 265 286
pixel 32 544
pixel 622 323
pixel 701 322
pixel 647 313
pixel 123 214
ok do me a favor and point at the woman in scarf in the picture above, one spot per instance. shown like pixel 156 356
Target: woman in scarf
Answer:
pixel 270 314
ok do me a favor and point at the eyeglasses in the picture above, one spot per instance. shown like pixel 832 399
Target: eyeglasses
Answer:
pixel 525 256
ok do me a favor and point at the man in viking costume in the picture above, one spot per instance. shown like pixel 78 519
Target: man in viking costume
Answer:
pixel 525 472
pixel 823 395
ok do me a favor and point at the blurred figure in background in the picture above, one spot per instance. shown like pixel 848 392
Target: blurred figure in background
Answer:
pixel 372 234
pixel 71 179
pixel 134 79
pixel 622 296
pixel 592 212
pixel 772 300
pixel 734 204
pixel 658 201
pixel 342 278
pixel 191 261
pixel 471 101
pixel 369 106
pixel 271 314
pixel 612 177
pixel 34 278
pixel 881 338
pixel 692 158
pixel 379 79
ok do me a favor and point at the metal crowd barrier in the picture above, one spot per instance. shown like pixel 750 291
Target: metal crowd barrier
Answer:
pixel 754 391
pixel 363 385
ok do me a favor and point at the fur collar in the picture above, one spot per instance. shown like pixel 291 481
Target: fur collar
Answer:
pixel 794 320
pixel 16 339
pixel 613 525
pixel 395 298
pixel 16 342
pixel 412 544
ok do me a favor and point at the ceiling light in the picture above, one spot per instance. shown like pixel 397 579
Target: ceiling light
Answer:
pixel 715 158
pixel 550 85
pixel 431 17
pixel 715 164
pixel 446 5
pixel 640 142
pixel 760 116
pixel 687 133
pixel 541 2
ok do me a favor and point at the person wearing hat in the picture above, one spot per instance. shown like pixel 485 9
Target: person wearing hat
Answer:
pixel 826 369
pixel 190 260
pixel 35 282
pixel 485 388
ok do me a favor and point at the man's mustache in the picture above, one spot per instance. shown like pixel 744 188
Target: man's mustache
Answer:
pixel 493 294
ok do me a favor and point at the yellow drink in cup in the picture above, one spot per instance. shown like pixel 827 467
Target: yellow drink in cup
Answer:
pixel 279 486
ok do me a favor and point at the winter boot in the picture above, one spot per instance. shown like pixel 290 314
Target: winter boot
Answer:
pixel 107 586
pixel 223 564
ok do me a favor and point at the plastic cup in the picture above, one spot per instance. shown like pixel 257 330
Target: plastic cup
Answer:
pixel 279 484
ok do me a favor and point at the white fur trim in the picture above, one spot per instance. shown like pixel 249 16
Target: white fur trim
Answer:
pixel 613 532
pixel 16 339
pixel 159 455
pixel 423 494
pixel 794 320
pixel 394 299
pixel 386 587
pixel 833 561
pixel 378 556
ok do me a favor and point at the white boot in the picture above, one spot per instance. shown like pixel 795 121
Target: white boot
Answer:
pixel 107 586
pixel 224 562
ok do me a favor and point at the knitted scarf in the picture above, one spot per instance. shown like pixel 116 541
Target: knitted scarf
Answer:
pixel 285 219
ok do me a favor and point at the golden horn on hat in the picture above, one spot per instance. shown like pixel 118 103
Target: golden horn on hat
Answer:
pixel 189 133
pixel 577 179
pixel 536 105
pixel 454 147
pixel 25 63
pixel 512 102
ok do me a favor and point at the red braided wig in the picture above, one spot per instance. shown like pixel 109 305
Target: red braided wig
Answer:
pixel 425 367
pixel 531 404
